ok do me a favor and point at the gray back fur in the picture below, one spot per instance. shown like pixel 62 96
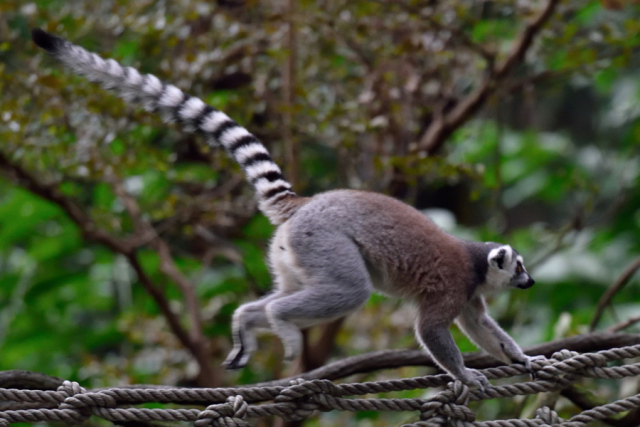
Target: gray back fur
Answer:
pixel 405 253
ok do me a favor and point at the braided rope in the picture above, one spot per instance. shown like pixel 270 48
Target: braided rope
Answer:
pixel 233 407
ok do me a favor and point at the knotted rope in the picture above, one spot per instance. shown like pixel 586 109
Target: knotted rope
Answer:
pixel 234 407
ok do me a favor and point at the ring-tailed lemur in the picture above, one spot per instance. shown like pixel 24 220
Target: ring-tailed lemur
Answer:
pixel 332 250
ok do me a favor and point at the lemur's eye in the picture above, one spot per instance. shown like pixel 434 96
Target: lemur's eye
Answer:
pixel 519 269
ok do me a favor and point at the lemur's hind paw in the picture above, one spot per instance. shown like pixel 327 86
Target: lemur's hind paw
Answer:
pixel 237 359
pixel 474 380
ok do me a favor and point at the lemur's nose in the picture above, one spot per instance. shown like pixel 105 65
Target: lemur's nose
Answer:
pixel 529 283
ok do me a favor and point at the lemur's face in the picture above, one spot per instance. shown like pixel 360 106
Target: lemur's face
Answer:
pixel 506 270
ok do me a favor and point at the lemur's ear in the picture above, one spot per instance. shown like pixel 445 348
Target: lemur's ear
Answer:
pixel 496 257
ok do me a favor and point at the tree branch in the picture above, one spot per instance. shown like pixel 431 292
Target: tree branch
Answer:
pixel 167 264
pixel 50 193
pixel 442 127
pixel 162 302
pixel 620 282
pixel 316 354
pixel 26 380
pixel 197 342
pixel 389 359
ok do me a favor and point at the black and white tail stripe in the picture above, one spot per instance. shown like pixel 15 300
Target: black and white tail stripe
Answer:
pixel 176 106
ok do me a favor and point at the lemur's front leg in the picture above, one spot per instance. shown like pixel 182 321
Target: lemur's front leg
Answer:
pixel 476 323
pixel 437 340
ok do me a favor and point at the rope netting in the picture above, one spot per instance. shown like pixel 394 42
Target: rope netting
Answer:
pixel 72 404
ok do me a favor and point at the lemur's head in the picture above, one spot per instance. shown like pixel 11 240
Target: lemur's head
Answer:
pixel 506 269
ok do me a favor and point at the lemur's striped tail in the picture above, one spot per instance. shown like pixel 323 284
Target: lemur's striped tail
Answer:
pixel 276 198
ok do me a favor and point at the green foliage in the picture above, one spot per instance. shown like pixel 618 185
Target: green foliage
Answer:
pixel 552 168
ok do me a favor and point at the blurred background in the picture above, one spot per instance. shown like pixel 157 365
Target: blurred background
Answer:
pixel 126 244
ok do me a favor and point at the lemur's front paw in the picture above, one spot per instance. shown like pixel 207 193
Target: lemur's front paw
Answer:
pixel 474 380
pixel 526 361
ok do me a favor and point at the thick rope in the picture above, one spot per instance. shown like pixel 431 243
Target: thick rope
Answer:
pixel 233 407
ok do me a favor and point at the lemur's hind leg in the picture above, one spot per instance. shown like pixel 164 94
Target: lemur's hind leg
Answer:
pixel 246 319
pixel 289 314
pixel 336 282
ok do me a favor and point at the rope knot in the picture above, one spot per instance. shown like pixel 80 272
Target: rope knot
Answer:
pixel 304 396
pixel 71 388
pixel 548 416
pixel 301 388
pixel 448 406
pixel 230 414
pixel 564 354
pixel 79 408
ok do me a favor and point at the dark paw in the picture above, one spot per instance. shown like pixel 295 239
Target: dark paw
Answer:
pixel 236 359
pixel 474 380
pixel 527 365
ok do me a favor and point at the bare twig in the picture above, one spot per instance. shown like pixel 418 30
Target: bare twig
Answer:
pixel 576 223
pixel 197 342
pixel 623 325
pixel 167 265
pixel 190 214
pixel 620 282
pixel 162 302
pixel 525 40
pixel 441 127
